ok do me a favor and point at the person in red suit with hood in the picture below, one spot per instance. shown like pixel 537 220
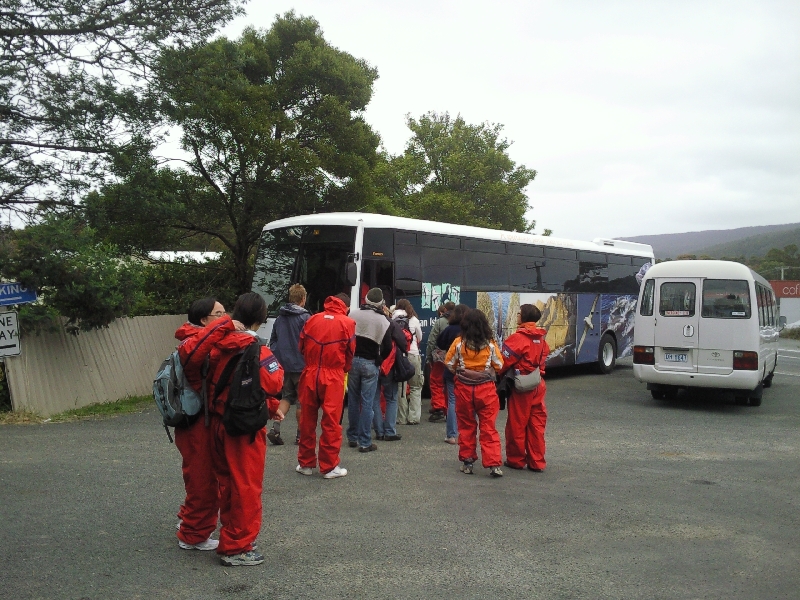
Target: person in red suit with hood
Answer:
pixel 207 325
pixel 327 342
pixel 239 460
pixel 524 351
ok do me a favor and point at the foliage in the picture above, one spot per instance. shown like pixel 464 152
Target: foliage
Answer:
pixel 68 85
pixel 273 123
pixel 76 276
pixel 131 404
pixel 458 173
pixel 5 394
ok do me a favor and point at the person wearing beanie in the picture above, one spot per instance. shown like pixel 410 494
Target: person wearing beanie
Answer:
pixel 373 344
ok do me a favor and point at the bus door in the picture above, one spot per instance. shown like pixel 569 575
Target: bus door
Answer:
pixel 677 324
pixel 379 274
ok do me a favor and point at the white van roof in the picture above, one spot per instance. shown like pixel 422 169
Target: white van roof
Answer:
pixel 712 269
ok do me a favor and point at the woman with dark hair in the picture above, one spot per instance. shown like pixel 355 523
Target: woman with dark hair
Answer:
pixel 525 351
pixel 443 342
pixel 474 358
pixel 239 460
pixel 409 410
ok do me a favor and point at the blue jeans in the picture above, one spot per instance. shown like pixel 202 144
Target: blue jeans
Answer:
pixel 361 385
pixel 450 392
pixel 385 425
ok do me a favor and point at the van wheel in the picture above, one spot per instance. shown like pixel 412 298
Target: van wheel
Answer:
pixel 768 380
pixel 657 394
pixel 755 396
pixel 606 354
pixel 671 393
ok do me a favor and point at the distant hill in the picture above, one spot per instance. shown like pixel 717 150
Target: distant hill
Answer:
pixel 747 241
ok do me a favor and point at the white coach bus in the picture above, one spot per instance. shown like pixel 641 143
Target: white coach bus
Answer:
pixel 586 290
pixel 706 324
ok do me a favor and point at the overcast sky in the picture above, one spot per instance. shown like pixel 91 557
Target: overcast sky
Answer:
pixel 639 117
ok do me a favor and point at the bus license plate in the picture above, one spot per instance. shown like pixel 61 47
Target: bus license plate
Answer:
pixel 673 357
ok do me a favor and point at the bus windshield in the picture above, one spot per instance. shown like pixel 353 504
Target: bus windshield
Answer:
pixel 315 256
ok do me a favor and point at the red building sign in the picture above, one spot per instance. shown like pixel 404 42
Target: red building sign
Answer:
pixel 786 289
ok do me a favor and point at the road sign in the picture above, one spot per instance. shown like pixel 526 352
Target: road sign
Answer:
pixel 15 293
pixel 9 334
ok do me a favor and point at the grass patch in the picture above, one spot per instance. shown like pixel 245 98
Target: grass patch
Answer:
pixel 792 334
pixel 102 410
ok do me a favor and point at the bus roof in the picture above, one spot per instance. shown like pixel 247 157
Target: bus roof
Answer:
pixel 377 221
pixel 710 269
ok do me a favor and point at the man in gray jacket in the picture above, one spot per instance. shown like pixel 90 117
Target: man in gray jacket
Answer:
pixel 283 343
pixel 373 344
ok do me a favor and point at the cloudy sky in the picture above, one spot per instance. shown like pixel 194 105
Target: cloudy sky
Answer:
pixel 640 117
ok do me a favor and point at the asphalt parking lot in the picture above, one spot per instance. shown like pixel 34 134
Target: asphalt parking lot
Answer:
pixel 690 498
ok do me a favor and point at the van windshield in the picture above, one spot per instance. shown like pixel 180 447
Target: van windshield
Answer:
pixel 726 299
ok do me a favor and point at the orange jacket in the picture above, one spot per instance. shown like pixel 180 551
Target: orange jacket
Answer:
pixel 460 356
pixel 526 349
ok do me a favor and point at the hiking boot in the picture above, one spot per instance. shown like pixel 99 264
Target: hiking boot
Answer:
pixel 380 438
pixel 392 438
pixel 245 559
pixel 352 443
pixel 209 544
pixel 297 439
pixel 304 470
pixel 496 472
pixel 275 437
pixel 466 468
pixel 370 448
pixel 452 441
pixel 437 416
pixel 337 471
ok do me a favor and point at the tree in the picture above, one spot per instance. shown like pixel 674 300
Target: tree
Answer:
pixel 459 173
pixel 68 76
pixel 273 125
pixel 75 275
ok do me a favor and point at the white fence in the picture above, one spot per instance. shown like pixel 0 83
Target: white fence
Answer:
pixel 58 371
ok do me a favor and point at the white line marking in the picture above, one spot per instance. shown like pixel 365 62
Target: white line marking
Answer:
pixel 789 357
pixel 789 374
pixel 786 350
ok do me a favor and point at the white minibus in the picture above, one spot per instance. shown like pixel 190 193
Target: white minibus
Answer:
pixel 706 324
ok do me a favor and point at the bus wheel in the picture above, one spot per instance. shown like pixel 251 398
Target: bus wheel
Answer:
pixel 606 354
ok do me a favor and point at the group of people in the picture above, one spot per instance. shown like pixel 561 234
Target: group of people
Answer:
pixel 316 363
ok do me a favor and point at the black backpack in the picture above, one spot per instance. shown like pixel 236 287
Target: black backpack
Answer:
pixel 246 409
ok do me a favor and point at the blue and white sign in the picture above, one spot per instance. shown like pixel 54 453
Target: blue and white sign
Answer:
pixel 15 293
pixel 9 334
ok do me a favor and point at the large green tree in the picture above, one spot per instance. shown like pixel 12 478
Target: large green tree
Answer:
pixel 458 173
pixel 69 85
pixel 273 126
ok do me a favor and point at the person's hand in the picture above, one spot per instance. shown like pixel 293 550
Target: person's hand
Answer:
pixel 239 326
pixel 279 415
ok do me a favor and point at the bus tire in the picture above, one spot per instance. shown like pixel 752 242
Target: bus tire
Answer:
pixel 606 354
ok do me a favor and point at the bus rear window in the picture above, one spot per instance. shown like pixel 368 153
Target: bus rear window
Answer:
pixel 677 299
pixel 726 299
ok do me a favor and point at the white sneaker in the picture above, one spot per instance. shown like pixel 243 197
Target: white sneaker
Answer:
pixel 209 544
pixel 336 472
pixel 304 470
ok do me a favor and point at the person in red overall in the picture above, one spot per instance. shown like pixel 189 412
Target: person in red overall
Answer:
pixel 474 358
pixel 239 460
pixel 327 342
pixel 436 379
pixel 524 351
pixel 207 324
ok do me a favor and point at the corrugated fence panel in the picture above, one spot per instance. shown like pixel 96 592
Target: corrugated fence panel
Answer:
pixel 57 372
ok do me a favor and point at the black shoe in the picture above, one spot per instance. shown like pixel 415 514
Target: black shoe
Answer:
pixel 392 438
pixel 370 448
pixel 380 437
pixel 352 444
pixel 275 438
pixel 437 416
pixel 535 470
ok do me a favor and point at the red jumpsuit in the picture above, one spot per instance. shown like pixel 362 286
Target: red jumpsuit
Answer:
pixel 327 341
pixel 198 513
pixel 239 460
pixel 525 350
pixel 479 401
pixel 436 384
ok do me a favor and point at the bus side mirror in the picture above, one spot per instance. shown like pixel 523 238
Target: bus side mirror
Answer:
pixel 351 274
pixel 782 321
